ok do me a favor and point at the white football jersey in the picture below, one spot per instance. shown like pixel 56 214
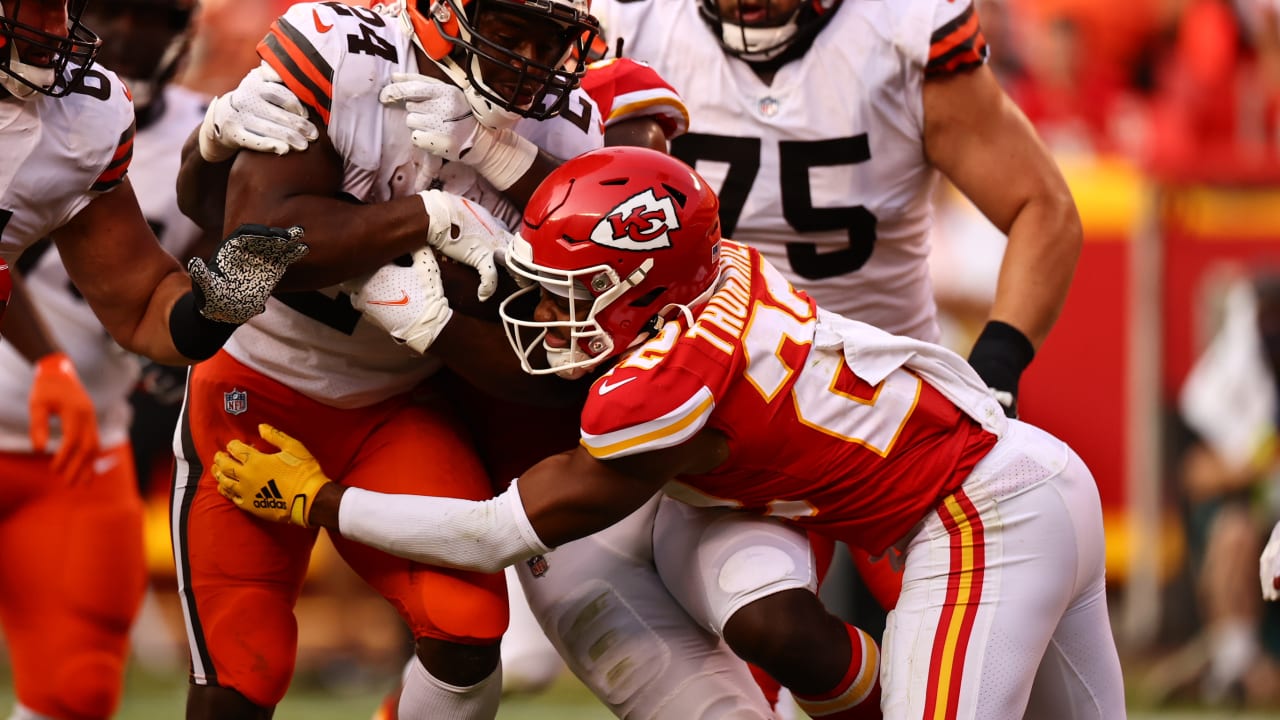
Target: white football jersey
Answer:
pixel 58 154
pixel 337 59
pixel 107 371
pixel 823 170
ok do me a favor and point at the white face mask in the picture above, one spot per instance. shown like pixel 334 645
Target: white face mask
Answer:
pixel 757 44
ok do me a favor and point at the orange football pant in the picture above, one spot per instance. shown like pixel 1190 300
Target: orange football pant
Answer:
pixel 71 582
pixel 239 577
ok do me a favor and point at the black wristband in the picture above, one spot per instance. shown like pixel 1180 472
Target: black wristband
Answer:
pixel 194 335
pixel 1000 354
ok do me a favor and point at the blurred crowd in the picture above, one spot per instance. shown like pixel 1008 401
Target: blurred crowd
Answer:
pixel 1189 89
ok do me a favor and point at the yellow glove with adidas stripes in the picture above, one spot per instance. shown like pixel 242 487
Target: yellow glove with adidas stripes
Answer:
pixel 279 487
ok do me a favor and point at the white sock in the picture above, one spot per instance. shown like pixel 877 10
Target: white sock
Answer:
pixel 425 697
pixel 22 712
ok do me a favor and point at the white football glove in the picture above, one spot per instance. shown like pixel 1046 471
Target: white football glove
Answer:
pixel 444 125
pixel 1269 566
pixel 261 114
pixel 468 233
pixel 406 298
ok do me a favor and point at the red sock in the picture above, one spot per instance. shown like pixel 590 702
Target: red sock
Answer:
pixel 389 708
pixel 857 695
pixel 881 579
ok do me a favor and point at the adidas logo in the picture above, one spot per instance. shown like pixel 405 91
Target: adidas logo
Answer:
pixel 269 497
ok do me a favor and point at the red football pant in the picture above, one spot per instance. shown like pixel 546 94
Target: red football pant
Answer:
pixel 240 577
pixel 71 582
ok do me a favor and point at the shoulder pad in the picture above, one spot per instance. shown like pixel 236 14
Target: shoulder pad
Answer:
pixel 310 41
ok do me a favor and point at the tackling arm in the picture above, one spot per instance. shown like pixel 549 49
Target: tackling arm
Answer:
pixel 131 283
pixel 562 498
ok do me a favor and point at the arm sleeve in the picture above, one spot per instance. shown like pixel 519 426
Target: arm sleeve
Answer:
pixel 483 535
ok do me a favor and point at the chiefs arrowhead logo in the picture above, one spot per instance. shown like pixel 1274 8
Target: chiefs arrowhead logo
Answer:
pixel 641 222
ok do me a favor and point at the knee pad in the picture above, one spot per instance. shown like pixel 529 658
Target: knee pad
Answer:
pixel 737 559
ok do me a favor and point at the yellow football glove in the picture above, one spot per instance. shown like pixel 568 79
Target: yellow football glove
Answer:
pixel 278 487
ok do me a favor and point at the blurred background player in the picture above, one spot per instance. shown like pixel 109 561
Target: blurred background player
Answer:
pixel 69 501
pixel 61 182
pixel 1228 471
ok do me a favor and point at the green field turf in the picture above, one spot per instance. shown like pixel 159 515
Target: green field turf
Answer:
pixel 151 698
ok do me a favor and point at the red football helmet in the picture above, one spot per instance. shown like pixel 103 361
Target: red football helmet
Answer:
pixel 44 48
pixel 630 237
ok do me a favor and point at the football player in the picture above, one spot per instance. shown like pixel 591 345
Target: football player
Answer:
pixel 834 185
pixel 824 127
pixel 507 73
pixel 59 181
pixel 144 41
pixel 56 477
pixel 735 391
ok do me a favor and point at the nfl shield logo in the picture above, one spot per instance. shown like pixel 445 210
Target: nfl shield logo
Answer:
pixel 539 565
pixel 235 402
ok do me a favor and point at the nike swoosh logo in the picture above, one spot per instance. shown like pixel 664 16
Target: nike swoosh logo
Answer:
pixel 320 26
pixel 606 388
pixel 404 300
pixel 104 464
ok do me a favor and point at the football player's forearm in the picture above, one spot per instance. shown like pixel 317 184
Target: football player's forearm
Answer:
pixel 1044 247
pixel 346 240
pixel 472 535
pixel 202 186
pixel 152 336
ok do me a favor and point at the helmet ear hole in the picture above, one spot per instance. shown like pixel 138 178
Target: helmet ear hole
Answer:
pixel 648 298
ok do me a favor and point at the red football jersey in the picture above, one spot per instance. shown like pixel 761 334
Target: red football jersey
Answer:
pixel 809 439
pixel 624 88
